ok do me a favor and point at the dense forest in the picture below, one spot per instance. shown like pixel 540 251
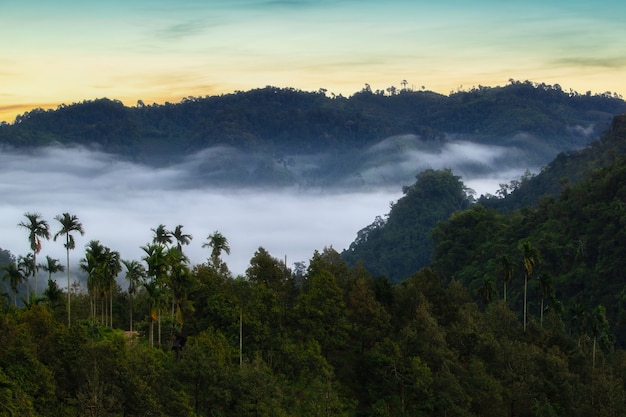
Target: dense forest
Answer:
pixel 519 313
pixel 528 115
pixel 402 242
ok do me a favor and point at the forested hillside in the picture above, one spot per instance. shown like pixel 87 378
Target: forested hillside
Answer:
pixel 401 243
pixel 288 120
pixel 325 340
pixel 520 313
pixel 511 309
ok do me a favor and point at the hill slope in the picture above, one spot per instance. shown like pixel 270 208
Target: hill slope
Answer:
pixel 291 137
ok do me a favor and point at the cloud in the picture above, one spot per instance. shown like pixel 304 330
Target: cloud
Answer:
pixel 119 202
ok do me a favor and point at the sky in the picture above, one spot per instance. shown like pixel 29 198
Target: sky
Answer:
pixel 161 51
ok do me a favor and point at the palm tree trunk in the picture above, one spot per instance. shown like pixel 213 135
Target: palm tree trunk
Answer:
pixel 159 319
pixel 525 288
pixel 34 273
pixel 69 314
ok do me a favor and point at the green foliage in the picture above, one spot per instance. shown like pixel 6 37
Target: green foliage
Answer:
pixel 308 122
pixel 330 340
pixel 401 244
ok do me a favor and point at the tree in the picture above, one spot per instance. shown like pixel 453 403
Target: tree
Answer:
pixel 181 238
pixel 135 273
pixel 178 282
pixel 546 289
pixel 94 253
pixel 162 236
pixel 69 225
pixel 506 269
pixel 52 292
pixel 487 289
pixel 531 258
pixel 52 266
pixel 599 327
pixel 218 244
pixel 15 275
pixel 102 264
pixel 157 270
pixel 38 229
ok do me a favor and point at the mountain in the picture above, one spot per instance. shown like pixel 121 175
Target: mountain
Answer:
pixel 576 223
pixel 401 243
pixel 273 136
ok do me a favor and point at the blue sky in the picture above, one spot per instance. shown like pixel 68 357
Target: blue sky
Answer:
pixel 158 51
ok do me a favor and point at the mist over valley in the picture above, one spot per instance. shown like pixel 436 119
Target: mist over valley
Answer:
pixel 119 201
pixel 286 170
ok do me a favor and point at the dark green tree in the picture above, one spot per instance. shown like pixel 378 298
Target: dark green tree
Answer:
pixel 38 229
pixel 135 274
pixel 69 224
pixel 531 258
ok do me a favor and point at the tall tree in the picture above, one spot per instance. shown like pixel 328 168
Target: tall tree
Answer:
pixel 38 229
pixel 51 266
pixel 181 238
pixel 15 275
pixel 135 273
pixel 506 269
pixel 69 225
pixel 218 243
pixel 178 282
pixel 162 236
pixel 101 265
pixel 599 326
pixel 531 258
pixel 156 260
pixel 546 289
pixel 111 268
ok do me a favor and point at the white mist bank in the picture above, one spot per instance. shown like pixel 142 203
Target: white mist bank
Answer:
pixel 119 203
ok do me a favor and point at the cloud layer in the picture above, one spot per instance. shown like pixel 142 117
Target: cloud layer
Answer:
pixel 119 202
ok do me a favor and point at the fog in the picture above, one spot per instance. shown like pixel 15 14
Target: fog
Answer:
pixel 119 202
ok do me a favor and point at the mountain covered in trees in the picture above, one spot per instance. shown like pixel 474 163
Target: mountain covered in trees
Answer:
pixel 514 307
pixel 520 313
pixel 401 243
pixel 274 136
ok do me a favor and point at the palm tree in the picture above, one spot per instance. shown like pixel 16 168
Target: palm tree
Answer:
pixel 599 326
pixel 488 289
pixel 154 295
pixel 15 275
pixel 38 229
pixel 69 224
pixel 52 266
pixel 218 244
pixel 111 268
pixel 102 265
pixel 162 236
pixel 580 318
pixel 178 281
pixel 531 258
pixel 546 289
pixel 92 265
pixel 181 238
pixel 135 273
pixel 506 268
pixel 157 270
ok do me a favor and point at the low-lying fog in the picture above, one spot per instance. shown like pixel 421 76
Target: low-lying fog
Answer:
pixel 119 202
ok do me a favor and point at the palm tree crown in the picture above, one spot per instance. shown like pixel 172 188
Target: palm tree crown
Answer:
pixel 218 244
pixel 38 229
pixel 181 238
